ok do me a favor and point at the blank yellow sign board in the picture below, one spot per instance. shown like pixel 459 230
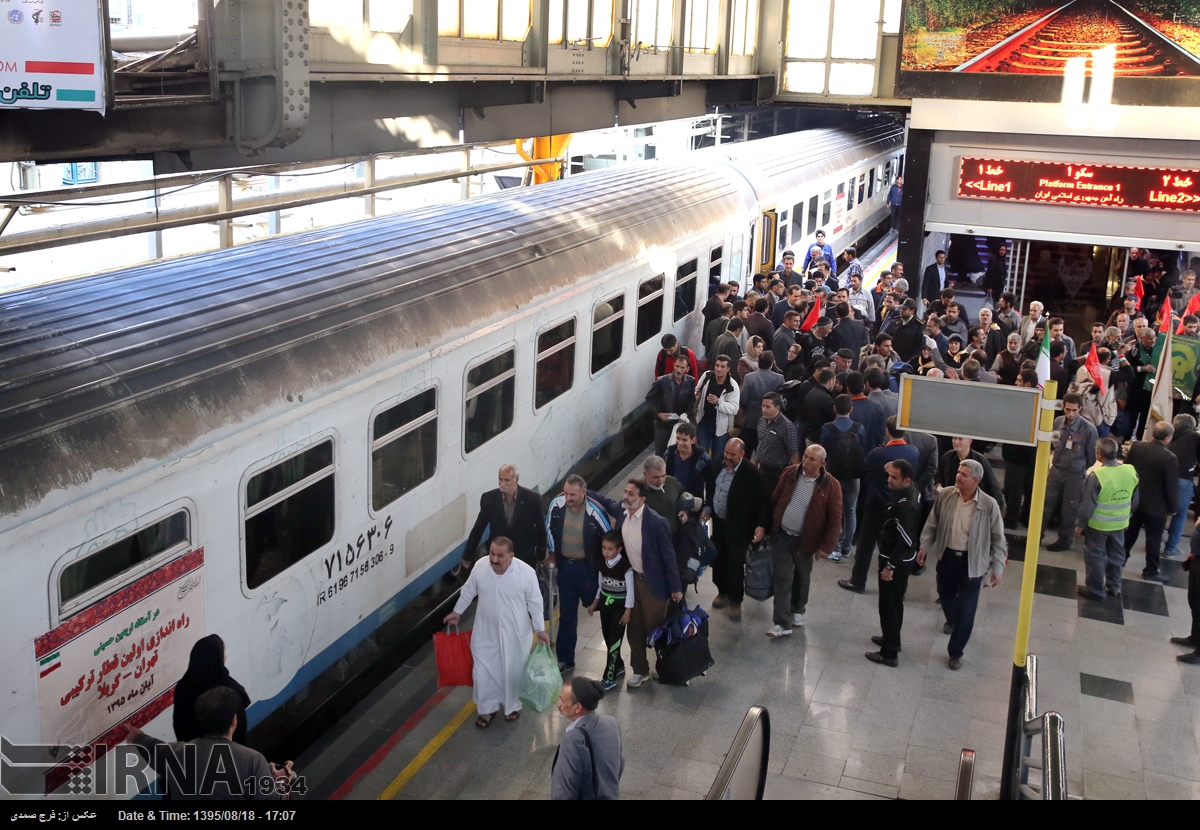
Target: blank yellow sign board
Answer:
pixel 984 411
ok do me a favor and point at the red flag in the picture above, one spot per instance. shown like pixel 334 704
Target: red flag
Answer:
pixel 813 316
pixel 1193 307
pixel 1093 368
pixel 1165 314
pixel 1139 291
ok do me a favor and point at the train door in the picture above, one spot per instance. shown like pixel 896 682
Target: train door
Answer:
pixel 766 245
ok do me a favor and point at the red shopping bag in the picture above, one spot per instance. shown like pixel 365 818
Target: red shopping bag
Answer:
pixel 453 653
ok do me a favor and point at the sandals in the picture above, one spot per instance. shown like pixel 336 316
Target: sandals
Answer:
pixel 484 721
pixel 513 716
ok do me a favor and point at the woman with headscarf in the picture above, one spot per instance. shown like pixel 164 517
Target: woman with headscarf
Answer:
pixel 206 670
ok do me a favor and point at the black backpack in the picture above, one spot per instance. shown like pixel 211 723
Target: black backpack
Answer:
pixel 845 458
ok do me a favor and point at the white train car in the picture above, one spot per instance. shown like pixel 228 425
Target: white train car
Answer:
pixel 284 443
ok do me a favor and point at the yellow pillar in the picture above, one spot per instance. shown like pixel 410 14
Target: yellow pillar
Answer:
pixel 545 147
pixel 1009 781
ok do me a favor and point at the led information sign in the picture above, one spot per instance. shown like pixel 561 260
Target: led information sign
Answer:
pixel 1073 183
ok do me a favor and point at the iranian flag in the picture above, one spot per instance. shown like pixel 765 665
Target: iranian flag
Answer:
pixel 48 664
pixel 1043 361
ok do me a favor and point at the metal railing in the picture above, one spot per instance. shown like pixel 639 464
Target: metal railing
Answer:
pixel 743 776
pixel 966 776
pixel 1053 760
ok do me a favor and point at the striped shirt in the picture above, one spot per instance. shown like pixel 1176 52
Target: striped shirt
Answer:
pixel 572 533
pixel 797 509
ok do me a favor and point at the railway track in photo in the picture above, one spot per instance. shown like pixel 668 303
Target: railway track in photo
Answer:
pixel 1076 30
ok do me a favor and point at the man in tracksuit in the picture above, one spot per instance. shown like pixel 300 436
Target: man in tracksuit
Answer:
pixel 897 555
pixel 1110 495
pixel 575 523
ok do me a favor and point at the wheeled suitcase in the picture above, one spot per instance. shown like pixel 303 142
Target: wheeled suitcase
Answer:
pixel 681 647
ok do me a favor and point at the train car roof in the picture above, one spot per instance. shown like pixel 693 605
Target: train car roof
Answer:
pixel 118 370
pixel 777 166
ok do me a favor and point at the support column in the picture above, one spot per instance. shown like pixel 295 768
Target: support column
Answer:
pixel 273 225
pixel 369 182
pixel 912 209
pixel 225 203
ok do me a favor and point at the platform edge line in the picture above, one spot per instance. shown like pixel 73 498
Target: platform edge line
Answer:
pixel 378 755
pixel 426 753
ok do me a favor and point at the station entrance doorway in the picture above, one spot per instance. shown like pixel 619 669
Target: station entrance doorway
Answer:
pixel 1080 283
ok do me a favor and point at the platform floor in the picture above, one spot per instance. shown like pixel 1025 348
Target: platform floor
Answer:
pixel 841 727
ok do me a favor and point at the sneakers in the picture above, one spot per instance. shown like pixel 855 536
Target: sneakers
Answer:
pixel 635 680
pixel 620 672
pixel 955 663
pixel 778 631
pixel 850 586
pixel 836 556
pixel 564 667
pixel 798 620
pixel 608 685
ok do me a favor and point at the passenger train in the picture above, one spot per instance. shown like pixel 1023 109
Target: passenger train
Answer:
pixel 285 443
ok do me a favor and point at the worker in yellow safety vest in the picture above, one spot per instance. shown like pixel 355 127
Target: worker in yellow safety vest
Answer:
pixel 1110 495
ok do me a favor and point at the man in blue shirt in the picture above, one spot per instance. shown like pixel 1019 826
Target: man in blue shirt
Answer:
pixel 876 496
pixel 826 251
pixel 894 198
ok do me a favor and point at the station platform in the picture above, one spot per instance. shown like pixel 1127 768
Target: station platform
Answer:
pixel 841 727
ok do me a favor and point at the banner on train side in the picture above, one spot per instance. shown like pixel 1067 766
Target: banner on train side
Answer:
pixel 52 55
pixel 1185 357
pixel 1135 52
pixel 117 662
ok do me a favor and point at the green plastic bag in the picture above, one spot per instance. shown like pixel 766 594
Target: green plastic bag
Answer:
pixel 542 682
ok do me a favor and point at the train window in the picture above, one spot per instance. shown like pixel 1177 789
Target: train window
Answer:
pixel 862 187
pixel 714 263
pixel 608 331
pixel 398 466
pixel 289 512
pixel 850 198
pixel 650 309
pixel 812 215
pixel 841 190
pixel 826 207
pixel 555 363
pixel 79 581
pixel 491 392
pixel 783 230
pixel 685 289
pixel 797 222
pixel 871 183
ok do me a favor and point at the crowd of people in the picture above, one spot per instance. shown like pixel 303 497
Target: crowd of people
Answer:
pixel 784 438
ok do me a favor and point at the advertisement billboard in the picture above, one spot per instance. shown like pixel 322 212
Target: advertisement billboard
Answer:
pixel 53 55
pixel 1144 52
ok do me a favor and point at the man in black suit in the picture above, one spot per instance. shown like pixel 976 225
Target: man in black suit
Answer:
pixel 1158 488
pixel 740 514
pixel 848 333
pixel 512 511
pixel 934 278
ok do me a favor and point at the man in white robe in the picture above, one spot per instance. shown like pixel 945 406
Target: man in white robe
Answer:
pixel 509 603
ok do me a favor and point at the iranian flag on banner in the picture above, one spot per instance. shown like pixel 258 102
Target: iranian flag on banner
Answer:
pixel 1043 362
